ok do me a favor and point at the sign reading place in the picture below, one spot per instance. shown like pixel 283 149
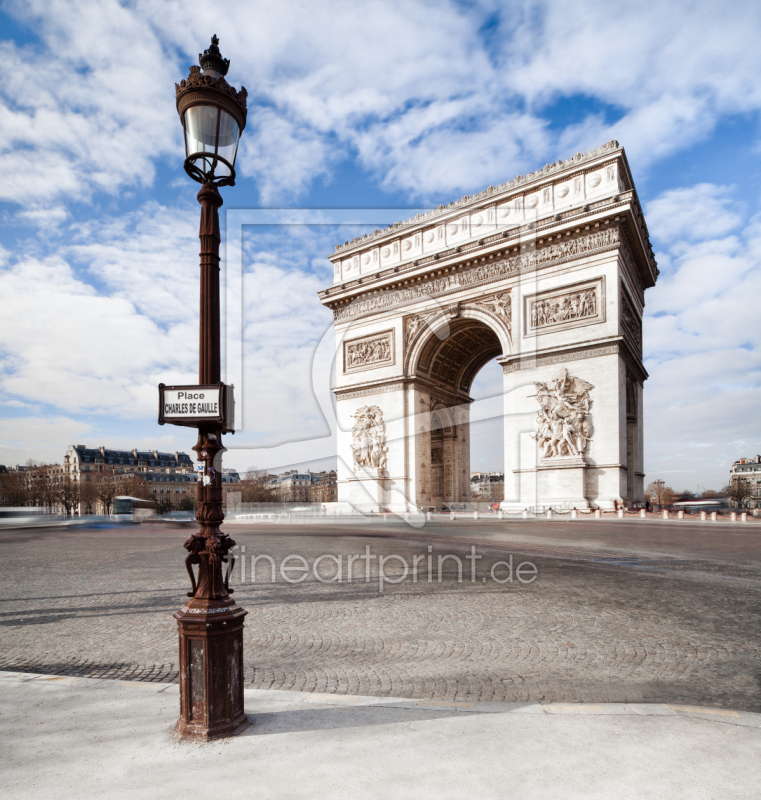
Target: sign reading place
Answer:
pixel 195 405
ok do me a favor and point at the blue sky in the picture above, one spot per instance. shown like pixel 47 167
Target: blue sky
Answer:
pixel 388 105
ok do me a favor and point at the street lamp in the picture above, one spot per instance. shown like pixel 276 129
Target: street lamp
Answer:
pixel 210 624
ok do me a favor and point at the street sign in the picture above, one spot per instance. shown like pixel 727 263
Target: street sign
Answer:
pixel 191 406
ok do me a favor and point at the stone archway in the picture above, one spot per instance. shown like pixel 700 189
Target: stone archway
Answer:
pixel 547 274
pixel 446 353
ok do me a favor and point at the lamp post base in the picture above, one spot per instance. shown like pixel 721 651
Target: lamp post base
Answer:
pixel 211 670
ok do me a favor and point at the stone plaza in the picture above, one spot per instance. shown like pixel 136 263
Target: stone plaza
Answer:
pixel 619 610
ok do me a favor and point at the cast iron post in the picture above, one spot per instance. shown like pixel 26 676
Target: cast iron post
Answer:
pixel 210 623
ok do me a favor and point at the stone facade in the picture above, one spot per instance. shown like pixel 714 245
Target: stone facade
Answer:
pixel 748 470
pixel 166 477
pixel 547 274
pixel 304 487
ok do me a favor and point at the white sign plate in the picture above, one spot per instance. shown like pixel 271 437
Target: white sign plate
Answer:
pixel 191 403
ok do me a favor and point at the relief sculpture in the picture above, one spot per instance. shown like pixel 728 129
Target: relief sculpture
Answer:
pixel 564 308
pixel 470 276
pixel 499 304
pixel 368 439
pixel 564 424
pixel 413 325
pixel 371 351
pixel 630 321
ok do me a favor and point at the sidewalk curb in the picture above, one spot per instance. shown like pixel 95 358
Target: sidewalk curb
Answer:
pixel 266 697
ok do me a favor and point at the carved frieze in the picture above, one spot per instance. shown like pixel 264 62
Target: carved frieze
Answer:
pixel 370 391
pixel 573 355
pixel 369 352
pixel 630 321
pixel 565 307
pixel 483 273
pixel 563 424
pixel 368 439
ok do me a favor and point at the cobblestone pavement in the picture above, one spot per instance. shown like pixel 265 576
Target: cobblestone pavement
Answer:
pixel 620 611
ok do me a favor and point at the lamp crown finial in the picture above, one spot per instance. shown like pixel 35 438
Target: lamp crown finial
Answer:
pixel 211 58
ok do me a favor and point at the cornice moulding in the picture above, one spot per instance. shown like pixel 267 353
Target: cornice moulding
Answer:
pixel 607 238
pixel 492 193
pixel 594 212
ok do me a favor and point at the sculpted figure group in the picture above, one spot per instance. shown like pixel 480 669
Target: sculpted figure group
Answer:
pixel 368 444
pixel 372 352
pixel 577 305
pixel 500 305
pixel 564 424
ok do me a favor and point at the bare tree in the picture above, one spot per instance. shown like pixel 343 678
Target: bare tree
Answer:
pixel 41 487
pixel 88 494
pixel 163 504
pixel 254 488
pixel 67 494
pixel 659 494
pixel 16 488
pixel 187 504
pixel 107 488
pixel 740 490
pixel 134 486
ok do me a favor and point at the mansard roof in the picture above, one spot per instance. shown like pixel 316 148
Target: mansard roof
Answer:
pixel 113 456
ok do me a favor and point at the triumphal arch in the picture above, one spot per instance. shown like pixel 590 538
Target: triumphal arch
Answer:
pixel 547 274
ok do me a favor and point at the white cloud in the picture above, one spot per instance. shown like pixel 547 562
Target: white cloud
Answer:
pixel 693 213
pixel 38 437
pixel 702 341
pixel 90 108
pixel 148 257
pixel 47 217
pixel 282 157
pixel 65 344
pixel 414 88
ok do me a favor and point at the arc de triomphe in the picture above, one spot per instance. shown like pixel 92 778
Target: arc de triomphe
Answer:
pixel 547 274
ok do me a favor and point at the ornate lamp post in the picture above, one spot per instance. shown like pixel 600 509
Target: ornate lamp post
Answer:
pixel 213 115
